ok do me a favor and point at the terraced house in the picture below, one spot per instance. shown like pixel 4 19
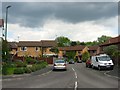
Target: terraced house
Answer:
pixel 32 48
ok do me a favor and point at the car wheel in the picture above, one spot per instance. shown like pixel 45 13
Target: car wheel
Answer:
pixel 99 68
pixel 93 67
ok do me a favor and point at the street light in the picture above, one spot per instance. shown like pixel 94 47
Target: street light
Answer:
pixel 6 21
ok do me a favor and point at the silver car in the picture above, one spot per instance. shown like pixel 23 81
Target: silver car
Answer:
pixel 59 64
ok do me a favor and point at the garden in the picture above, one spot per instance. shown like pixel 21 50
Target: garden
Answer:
pixel 29 65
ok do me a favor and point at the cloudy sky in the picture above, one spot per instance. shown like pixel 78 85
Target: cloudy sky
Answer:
pixel 79 21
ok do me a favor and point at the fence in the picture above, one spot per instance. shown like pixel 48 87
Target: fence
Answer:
pixel 49 60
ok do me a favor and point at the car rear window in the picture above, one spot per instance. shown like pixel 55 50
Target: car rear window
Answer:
pixel 59 61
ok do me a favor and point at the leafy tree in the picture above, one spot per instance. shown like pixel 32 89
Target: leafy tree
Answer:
pixel 5 51
pixel 55 50
pixel 70 54
pixel 85 56
pixel 73 43
pixel 103 39
pixel 110 50
pixel 113 52
pixel 63 41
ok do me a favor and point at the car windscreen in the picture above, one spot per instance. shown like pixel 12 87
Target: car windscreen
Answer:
pixel 59 61
pixel 104 58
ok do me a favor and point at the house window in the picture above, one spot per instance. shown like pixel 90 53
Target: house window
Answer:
pixel 36 48
pixel 23 48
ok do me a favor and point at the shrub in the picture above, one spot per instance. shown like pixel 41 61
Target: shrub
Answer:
pixel 27 70
pixel 20 64
pixel 33 69
pixel 19 71
pixel 29 60
pixel 7 71
pixel 85 56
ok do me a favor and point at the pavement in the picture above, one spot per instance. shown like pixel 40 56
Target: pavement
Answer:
pixel 76 77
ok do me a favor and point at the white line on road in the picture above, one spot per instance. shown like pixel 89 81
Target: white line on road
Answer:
pixel 75 75
pixel 73 69
pixel 76 85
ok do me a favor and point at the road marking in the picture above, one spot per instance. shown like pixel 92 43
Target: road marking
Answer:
pixel 76 85
pixel 75 75
pixel 73 69
pixel 45 73
pixel 110 75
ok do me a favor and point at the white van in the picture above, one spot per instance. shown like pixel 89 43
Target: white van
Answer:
pixel 102 61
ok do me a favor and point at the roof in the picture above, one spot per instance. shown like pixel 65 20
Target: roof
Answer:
pixel 29 43
pixel 12 45
pixel 44 43
pixel 48 43
pixel 1 22
pixel 112 41
pixel 93 47
pixel 72 48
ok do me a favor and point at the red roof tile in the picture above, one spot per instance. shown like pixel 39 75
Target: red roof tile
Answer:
pixel 72 48
pixel 112 41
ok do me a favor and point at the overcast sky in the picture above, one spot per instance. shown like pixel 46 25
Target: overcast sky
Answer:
pixel 79 21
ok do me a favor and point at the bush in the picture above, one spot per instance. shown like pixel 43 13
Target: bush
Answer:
pixel 8 69
pixel 29 60
pixel 27 70
pixel 85 56
pixel 33 69
pixel 19 71
pixel 20 64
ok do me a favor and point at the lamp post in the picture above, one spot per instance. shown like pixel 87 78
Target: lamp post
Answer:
pixel 6 21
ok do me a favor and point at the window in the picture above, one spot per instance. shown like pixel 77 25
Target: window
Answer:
pixel 23 48
pixel 36 48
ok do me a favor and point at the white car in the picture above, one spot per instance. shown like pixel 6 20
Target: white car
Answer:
pixel 59 64
pixel 102 61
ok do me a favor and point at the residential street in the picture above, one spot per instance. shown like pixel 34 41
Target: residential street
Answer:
pixel 77 76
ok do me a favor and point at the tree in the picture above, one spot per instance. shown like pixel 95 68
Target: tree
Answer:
pixel 62 41
pixel 85 56
pixel 103 39
pixel 70 54
pixel 113 52
pixel 73 43
pixel 55 50
pixel 5 51
pixel 110 50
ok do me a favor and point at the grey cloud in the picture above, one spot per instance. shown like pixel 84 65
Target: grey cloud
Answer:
pixel 34 14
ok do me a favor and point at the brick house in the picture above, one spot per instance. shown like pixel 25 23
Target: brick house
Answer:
pixel 32 48
pixel 79 49
pixel 111 41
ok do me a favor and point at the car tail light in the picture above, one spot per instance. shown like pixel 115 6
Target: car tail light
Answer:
pixel 64 64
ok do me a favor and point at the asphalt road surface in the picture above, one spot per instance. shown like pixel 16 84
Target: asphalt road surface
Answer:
pixel 76 76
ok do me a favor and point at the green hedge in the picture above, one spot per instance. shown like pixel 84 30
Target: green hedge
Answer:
pixel 29 60
pixel 8 69
pixel 27 70
pixel 20 64
pixel 19 71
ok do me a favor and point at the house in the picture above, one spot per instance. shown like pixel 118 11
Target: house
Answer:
pixel 32 48
pixel 111 41
pixel 79 49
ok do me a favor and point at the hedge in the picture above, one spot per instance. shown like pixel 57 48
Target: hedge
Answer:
pixel 19 71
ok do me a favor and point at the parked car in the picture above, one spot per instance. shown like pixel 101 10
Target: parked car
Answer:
pixel 88 63
pixel 79 61
pixel 71 61
pixel 102 61
pixel 59 65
